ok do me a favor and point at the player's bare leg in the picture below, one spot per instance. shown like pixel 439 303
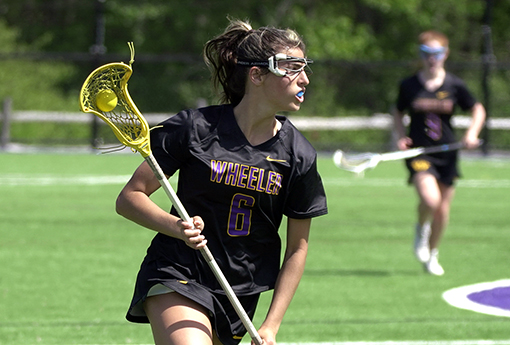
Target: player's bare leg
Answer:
pixel 176 319
pixel 442 215
pixel 435 201
pixel 429 200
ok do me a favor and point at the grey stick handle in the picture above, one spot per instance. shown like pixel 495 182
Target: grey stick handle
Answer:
pixel 206 253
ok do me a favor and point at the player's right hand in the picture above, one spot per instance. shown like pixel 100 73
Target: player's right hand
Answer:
pixel 191 233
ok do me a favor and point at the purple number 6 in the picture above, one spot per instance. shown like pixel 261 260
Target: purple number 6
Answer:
pixel 239 222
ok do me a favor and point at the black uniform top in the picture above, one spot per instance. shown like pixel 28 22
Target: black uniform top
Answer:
pixel 241 191
pixel 431 112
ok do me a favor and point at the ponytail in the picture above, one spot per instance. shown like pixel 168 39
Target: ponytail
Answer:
pixel 240 41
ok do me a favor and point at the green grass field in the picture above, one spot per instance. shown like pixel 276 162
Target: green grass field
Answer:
pixel 68 262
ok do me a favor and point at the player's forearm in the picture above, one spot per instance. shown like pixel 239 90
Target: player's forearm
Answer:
pixel 478 120
pixel 139 208
pixel 398 124
pixel 286 286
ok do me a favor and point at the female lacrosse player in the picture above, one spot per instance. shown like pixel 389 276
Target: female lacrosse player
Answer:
pixel 430 97
pixel 241 168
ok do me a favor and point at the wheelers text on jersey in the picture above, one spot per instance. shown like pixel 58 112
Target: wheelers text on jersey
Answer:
pixel 245 176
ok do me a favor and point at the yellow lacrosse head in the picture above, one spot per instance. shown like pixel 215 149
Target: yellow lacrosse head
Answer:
pixel 105 94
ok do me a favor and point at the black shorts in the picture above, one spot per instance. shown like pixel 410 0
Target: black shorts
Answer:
pixel 443 166
pixel 224 319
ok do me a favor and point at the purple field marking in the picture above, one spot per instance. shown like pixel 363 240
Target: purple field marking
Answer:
pixel 497 297
pixel 491 298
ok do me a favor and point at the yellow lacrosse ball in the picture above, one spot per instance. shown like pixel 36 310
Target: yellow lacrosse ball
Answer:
pixel 106 100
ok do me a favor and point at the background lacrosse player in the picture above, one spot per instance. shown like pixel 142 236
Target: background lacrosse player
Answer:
pixel 241 168
pixel 431 97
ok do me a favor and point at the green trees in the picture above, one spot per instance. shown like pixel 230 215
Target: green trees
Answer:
pixel 361 47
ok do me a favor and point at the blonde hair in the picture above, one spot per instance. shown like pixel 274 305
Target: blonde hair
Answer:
pixel 241 41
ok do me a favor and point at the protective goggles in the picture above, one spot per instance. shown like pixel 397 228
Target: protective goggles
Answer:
pixel 282 64
pixel 428 52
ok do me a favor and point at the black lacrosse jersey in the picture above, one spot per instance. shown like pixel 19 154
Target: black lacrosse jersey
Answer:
pixel 241 191
pixel 431 112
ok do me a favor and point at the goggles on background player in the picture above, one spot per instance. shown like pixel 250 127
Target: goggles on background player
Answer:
pixel 437 53
pixel 282 64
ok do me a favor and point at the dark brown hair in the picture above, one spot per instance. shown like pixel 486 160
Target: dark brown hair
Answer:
pixel 240 41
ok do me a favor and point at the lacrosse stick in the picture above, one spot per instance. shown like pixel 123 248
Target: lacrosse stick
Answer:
pixel 360 162
pixel 105 94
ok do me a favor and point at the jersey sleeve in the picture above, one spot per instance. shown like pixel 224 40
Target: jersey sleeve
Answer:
pixel 403 101
pixel 465 99
pixel 307 198
pixel 169 142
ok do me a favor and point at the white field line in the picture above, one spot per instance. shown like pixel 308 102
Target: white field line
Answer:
pixel 416 342
pixel 49 179
pixel 390 342
pixel 381 182
pixel 419 342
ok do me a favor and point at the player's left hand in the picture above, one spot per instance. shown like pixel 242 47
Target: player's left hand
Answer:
pixel 268 337
pixel 471 142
